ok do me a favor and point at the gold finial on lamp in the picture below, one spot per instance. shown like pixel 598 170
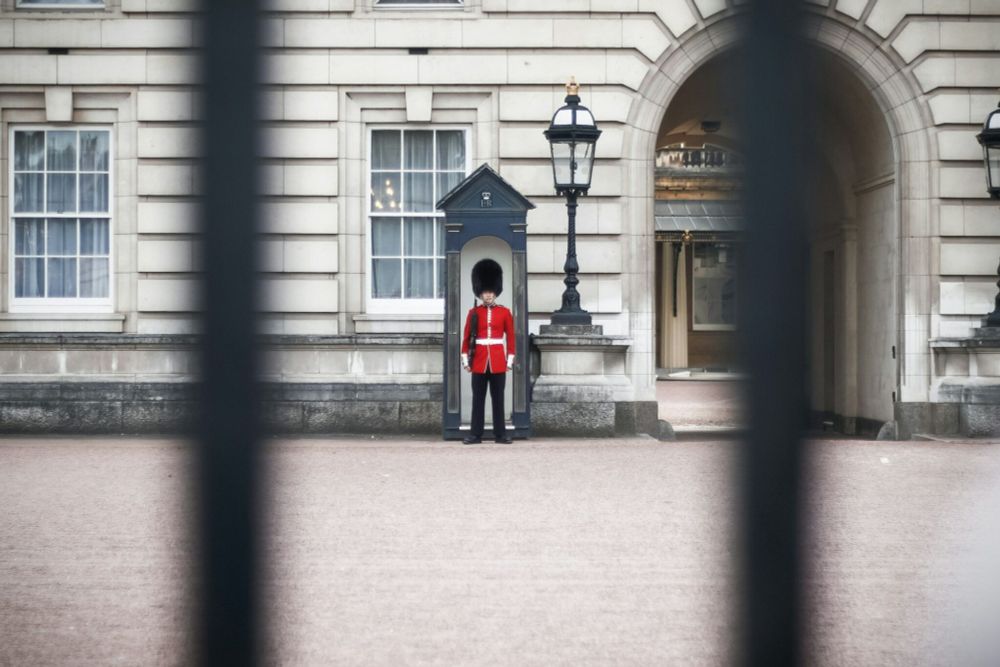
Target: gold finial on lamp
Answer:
pixel 572 88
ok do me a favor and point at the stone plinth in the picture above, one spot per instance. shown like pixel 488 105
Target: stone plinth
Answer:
pixel 582 388
pixel 965 392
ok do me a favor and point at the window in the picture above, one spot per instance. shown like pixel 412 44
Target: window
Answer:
pixel 61 216
pixel 418 3
pixel 713 286
pixel 60 3
pixel 410 171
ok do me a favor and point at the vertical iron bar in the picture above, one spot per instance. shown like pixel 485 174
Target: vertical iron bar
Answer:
pixel 776 98
pixel 228 448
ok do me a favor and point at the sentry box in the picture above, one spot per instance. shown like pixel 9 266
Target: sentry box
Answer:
pixel 485 218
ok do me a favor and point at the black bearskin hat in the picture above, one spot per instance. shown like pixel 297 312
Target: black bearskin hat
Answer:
pixel 487 275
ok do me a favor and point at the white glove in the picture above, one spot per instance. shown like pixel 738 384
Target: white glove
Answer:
pixel 465 360
pixel 510 359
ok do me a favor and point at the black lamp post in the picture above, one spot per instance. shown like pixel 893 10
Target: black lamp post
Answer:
pixel 989 138
pixel 572 136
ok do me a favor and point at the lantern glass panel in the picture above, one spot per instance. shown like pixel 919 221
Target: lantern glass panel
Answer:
pixel 562 162
pixel 564 116
pixel 584 164
pixel 992 155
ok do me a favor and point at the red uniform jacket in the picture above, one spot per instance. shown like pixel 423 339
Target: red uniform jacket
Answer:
pixel 493 323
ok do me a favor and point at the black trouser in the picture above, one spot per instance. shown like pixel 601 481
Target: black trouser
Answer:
pixel 496 382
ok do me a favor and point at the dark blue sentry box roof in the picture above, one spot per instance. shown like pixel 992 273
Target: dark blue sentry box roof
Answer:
pixel 468 194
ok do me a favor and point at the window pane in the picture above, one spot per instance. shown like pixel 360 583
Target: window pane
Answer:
pixel 385 192
pixel 419 195
pixel 93 151
pixel 94 237
pixel 29 193
pixel 440 237
pixel 29 151
pixel 68 3
pixel 419 278
pixel 385 237
pixel 440 278
pixel 714 301
pixel 94 278
pixel 62 151
pixel 62 277
pixel 29 280
pixel 419 146
pixel 61 194
pixel 714 284
pixel 446 182
pixel 418 236
pixel 385 150
pixel 29 237
pixel 94 192
pixel 386 279
pixel 451 151
pixel 61 238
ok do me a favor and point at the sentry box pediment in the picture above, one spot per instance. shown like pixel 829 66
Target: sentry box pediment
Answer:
pixel 485 191
pixel 485 218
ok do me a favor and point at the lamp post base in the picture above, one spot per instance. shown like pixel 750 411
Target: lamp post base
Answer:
pixel 571 329
pixel 991 320
pixel 571 317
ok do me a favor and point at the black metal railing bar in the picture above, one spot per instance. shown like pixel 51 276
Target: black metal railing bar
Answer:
pixel 228 447
pixel 777 93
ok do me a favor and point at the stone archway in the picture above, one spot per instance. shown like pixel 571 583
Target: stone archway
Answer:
pixel 895 95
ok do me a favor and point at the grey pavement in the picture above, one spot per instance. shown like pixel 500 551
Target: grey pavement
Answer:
pixel 701 404
pixel 549 552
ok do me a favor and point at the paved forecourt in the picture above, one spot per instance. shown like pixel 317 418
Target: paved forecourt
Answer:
pixel 542 552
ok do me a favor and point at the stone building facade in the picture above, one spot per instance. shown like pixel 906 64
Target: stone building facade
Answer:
pixel 374 108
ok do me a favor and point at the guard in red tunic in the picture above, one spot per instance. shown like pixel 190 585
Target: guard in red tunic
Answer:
pixel 484 353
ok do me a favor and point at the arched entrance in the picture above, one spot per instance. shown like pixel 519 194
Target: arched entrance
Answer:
pixel 872 139
pixel 854 258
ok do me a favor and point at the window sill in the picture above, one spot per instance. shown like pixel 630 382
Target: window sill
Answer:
pixel 429 12
pixel 62 322
pixel 398 324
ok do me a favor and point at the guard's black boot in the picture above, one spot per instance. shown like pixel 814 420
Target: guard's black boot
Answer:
pixel 471 440
pixel 503 440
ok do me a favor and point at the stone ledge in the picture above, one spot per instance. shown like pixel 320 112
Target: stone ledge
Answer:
pixel 981 337
pixel 67 323
pixel 970 390
pixel 8 339
pixel 556 341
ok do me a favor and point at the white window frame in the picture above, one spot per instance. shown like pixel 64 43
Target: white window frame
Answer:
pixel 378 4
pixel 61 304
pixel 710 326
pixel 55 4
pixel 402 305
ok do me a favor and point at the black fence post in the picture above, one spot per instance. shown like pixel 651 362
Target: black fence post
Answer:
pixel 228 446
pixel 776 97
